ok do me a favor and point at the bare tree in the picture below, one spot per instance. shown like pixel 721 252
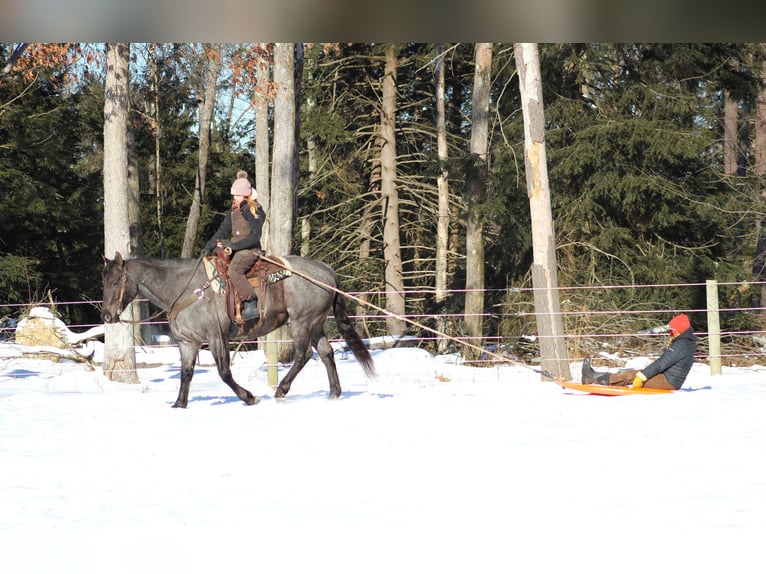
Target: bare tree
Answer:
pixel 262 140
pixel 553 351
pixel 284 182
pixel 18 50
pixel 759 267
pixel 119 350
pixel 212 56
pixel 442 183
pixel 730 135
pixel 154 119
pixel 476 189
pixel 392 251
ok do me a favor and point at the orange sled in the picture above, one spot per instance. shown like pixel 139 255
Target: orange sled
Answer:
pixel 609 390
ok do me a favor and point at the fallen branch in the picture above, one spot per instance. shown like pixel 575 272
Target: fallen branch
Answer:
pixel 56 355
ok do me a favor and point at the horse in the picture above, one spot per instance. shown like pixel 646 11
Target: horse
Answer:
pixel 198 314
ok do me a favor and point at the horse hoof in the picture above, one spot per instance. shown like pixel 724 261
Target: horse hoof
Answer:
pixel 251 400
pixel 178 405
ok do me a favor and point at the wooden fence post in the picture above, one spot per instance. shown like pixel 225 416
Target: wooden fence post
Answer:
pixel 272 359
pixel 713 327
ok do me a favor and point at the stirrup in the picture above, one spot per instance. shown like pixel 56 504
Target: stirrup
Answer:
pixel 235 330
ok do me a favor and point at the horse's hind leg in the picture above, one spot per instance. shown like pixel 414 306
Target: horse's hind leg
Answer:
pixel 323 347
pixel 220 351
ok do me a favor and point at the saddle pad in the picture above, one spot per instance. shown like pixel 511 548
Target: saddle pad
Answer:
pixel 217 284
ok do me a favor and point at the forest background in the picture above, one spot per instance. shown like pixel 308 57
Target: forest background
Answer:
pixel 656 157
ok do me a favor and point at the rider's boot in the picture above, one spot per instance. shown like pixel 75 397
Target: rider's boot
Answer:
pixel 250 310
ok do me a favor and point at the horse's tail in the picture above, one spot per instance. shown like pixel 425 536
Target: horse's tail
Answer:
pixel 352 338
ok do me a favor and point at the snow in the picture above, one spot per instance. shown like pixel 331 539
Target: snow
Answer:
pixel 56 325
pixel 430 467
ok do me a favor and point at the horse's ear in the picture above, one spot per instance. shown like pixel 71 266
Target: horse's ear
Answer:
pixel 118 258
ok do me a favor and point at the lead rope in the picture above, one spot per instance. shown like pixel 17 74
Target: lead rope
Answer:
pixel 334 289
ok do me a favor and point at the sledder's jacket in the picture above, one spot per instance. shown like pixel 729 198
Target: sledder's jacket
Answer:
pixel 676 361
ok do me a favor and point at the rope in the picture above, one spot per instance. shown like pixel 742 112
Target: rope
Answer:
pixel 388 313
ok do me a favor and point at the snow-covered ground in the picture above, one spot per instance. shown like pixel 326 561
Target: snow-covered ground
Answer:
pixel 431 467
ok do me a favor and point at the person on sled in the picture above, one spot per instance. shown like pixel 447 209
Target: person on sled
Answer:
pixel 669 371
pixel 241 231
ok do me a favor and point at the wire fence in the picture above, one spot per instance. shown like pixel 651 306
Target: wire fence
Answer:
pixel 510 327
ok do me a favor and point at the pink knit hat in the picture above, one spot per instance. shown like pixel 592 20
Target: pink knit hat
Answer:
pixel 241 186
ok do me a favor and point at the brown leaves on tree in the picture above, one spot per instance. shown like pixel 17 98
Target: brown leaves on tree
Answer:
pixel 47 60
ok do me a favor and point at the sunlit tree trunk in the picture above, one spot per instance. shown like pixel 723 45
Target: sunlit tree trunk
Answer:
pixel 553 351
pixel 284 182
pixel 212 55
pixel 476 189
pixel 391 243
pixel 263 141
pixel 442 183
pixel 119 350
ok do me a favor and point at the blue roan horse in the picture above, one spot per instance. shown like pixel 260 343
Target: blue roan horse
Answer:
pixel 305 303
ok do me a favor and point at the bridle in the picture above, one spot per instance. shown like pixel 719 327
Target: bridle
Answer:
pixel 123 284
pixel 175 308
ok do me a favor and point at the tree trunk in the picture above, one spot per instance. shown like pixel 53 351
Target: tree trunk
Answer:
pixel 312 151
pixel 759 267
pixel 140 309
pixel 365 233
pixel 212 53
pixel 157 135
pixel 442 183
pixel 119 350
pixel 553 351
pixel 730 135
pixel 391 244
pixel 262 141
pixel 284 182
pixel 282 175
pixel 476 189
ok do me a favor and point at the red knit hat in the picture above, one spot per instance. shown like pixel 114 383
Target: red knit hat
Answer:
pixel 679 324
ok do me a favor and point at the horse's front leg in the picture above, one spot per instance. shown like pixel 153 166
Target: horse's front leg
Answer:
pixel 188 357
pixel 220 350
pixel 302 355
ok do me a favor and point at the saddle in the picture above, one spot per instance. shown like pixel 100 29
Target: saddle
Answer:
pixel 263 275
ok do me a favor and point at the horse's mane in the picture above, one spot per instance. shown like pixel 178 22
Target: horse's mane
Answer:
pixel 167 262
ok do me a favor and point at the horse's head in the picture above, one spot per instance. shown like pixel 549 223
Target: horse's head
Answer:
pixel 119 288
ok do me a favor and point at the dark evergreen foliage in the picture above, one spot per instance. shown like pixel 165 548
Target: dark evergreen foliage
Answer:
pixel 51 205
pixel 634 144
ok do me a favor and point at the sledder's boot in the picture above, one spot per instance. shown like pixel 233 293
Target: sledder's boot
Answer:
pixel 591 376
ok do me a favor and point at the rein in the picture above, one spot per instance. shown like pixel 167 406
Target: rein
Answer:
pixel 175 307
